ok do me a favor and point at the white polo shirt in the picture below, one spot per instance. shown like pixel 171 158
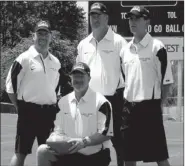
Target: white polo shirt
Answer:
pixel 33 78
pixel 144 65
pixel 103 59
pixel 85 118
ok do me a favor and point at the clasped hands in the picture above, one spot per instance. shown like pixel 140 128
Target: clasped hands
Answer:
pixel 77 144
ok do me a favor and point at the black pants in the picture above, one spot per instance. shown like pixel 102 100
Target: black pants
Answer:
pixel 33 122
pixel 117 105
pixel 101 158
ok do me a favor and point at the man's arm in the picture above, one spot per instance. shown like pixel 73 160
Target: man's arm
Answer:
pixel 165 91
pixel 95 139
pixel 13 79
pixel 79 51
pixel 64 84
pixel 105 129
pixel 122 45
pixel 13 99
pixel 104 132
pixel 166 74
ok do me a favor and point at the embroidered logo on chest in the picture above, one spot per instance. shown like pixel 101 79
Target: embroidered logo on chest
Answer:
pixel 146 59
pixel 52 68
pixel 107 51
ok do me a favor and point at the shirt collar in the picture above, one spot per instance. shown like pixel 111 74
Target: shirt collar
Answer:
pixel 35 53
pixel 85 98
pixel 146 39
pixel 108 36
pixel 144 42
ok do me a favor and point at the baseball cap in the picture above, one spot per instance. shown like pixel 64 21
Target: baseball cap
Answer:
pixel 139 11
pixel 81 67
pixel 98 8
pixel 43 25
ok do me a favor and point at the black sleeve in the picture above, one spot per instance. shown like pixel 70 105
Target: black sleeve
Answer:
pixel 106 110
pixel 16 68
pixel 162 55
pixel 64 83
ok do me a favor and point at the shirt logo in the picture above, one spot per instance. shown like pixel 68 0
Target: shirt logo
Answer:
pixel 86 114
pixel 33 67
pixel 107 51
pixel 53 69
pixel 145 59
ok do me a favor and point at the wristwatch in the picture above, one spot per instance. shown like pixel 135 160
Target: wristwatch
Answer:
pixel 85 141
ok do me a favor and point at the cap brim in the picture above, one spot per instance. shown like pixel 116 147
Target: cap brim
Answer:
pixel 96 11
pixel 133 13
pixel 78 70
pixel 42 28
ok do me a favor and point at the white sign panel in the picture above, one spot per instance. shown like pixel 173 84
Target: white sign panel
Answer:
pixel 174 47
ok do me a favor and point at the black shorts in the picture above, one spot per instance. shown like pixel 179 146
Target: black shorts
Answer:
pixel 101 158
pixel 144 139
pixel 33 122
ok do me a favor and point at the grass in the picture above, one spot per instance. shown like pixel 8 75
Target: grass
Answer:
pixel 174 133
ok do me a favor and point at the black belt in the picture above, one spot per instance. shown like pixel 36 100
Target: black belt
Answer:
pixel 39 106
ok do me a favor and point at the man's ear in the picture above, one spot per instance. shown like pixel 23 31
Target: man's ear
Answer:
pixel 89 78
pixel 147 23
pixel 34 36
pixel 107 19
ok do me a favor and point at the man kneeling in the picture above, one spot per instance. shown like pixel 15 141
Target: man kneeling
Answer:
pixel 85 121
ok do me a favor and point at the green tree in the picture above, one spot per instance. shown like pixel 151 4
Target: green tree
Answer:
pixel 19 18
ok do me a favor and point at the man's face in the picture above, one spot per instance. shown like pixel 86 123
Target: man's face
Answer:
pixel 42 39
pixel 137 25
pixel 98 20
pixel 80 81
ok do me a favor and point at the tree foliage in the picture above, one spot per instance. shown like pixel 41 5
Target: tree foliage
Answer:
pixel 19 19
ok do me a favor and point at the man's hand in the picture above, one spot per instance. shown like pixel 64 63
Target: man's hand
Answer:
pixel 16 108
pixel 164 92
pixel 54 152
pixel 77 145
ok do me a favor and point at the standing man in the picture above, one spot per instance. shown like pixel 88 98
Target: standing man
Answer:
pixel 85 117
pixel 101 51
pixel 146 87
pixel 31 85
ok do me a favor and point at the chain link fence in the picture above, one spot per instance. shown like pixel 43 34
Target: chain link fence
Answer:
pixel 174 105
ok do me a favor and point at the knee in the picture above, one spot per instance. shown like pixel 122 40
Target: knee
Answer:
pixel 42 150
pixel 45 156
pixel 19 156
